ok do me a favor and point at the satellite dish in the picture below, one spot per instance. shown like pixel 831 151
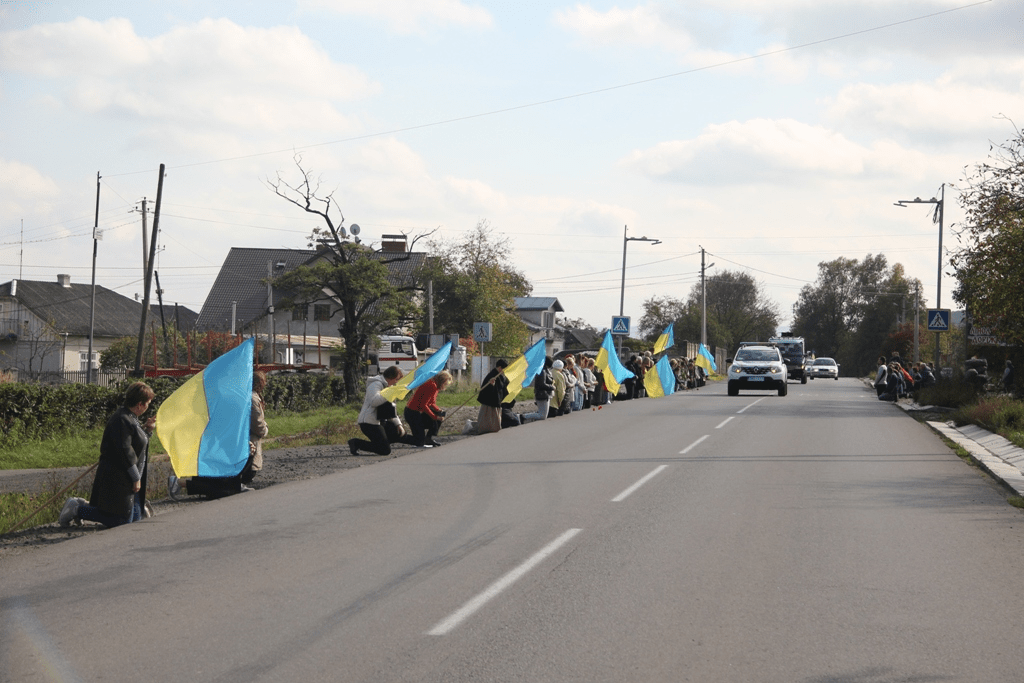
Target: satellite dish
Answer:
pixel 354 229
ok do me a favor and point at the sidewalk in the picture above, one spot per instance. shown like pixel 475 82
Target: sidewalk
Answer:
pixel 996 455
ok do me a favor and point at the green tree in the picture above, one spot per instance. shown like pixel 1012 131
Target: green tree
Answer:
pixel 474 280
pixel 349 275
pixel 737 310
pixel 989 266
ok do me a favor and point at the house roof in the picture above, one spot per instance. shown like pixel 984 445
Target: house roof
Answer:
pixel 538 303
pixel 242 280
pixel 175 314
pixel 67 309
pixel 582 337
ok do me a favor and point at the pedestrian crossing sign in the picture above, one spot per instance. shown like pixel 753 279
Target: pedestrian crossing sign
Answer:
pixel 620 324
pixel 938 320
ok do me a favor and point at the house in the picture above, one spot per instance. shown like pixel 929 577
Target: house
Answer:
pixel 538 313
pixel 44 326
pixel 242 300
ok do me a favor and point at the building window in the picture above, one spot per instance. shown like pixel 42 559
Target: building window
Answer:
pixel 83 360
pixel 299 313
pixel 548 319
pixel 321 311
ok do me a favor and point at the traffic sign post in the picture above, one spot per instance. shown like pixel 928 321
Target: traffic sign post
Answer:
pixel 938 320
pixel 620 325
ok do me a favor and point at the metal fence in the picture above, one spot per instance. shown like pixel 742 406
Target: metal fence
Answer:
pixel 102 378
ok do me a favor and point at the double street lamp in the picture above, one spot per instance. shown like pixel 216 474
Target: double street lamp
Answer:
pixel 626 239
pixel 937 218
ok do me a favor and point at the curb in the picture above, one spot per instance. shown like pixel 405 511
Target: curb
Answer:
pixel 993 453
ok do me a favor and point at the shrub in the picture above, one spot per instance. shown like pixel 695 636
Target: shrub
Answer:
pixel 954 393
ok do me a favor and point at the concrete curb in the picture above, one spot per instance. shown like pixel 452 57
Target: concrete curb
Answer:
pixel 993 453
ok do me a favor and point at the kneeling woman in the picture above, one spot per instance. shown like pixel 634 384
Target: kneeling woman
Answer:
pixel 119 488
pixel 422 412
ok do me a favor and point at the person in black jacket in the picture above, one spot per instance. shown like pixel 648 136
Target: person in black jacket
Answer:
pixel 543 390
pixel 119 487
pixel 493 391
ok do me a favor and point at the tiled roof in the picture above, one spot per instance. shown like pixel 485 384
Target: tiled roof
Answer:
pixel 242 279
pixel 67 309
pixel 538 303
pixel 184 318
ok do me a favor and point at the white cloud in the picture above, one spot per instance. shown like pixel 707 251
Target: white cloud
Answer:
pixel 474 196
pixel 24 190
pixel 960 104
pixel 409 16
pixel 211 76
pixel 764 150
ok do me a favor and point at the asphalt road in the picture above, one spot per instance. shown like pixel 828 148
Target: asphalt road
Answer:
pixel 822 536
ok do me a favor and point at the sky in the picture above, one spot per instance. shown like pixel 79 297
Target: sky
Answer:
pixel 774 134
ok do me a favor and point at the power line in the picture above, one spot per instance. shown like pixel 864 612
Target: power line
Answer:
pixel 588 93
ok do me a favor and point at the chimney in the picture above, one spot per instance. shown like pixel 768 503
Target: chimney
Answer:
pixel 64 280
pixel 394 243
pixel 14 288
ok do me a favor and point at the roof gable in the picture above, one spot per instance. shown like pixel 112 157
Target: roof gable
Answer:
pixel 538 303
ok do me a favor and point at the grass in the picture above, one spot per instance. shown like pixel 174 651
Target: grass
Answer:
pixel 321 427
pixel 1000 414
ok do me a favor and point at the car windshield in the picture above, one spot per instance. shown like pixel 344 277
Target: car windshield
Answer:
pixel 791 349
pixel 748 355
pixel 824 361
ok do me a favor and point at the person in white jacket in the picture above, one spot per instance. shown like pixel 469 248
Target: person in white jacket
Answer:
pixel 369 423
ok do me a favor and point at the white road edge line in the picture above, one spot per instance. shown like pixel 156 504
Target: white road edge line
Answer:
pixel 751 405
pixel 501 584
pixel 693 445
pixel 650 475
pixel 725 422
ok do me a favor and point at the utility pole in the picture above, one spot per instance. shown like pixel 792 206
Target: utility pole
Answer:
pixel 92 306
pixel 704 299
pixel 271 341
pixel 149 274
pixel 145 238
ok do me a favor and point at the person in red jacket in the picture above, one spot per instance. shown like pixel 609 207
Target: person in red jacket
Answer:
pixel 422 412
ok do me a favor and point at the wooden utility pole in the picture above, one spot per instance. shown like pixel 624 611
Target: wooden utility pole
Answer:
pixel 149 275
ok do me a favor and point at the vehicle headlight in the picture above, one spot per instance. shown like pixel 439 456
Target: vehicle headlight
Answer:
pixel 775 370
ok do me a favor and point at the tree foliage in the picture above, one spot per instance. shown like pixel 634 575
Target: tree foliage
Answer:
pixel 989 266
pixel 852 308
pixel 474 280
pixel 348 275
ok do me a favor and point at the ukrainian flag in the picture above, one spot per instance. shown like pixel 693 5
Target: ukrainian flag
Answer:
pixel 706 360
pixel 204 424
pixel 523 369
pixel 612 369
pixel 660 380
pixel 666 340
pixel 423 372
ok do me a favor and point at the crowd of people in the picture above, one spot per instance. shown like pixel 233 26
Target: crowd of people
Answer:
pixel 896 379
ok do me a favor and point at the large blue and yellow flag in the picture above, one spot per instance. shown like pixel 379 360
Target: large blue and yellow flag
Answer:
pixel 666 340
pixel 204 424
pixel 705 360
pixel 612 369
pixel 660 380
pixel 423 372
pixel 523 369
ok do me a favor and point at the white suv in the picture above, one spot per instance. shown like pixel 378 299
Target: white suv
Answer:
pixel 757 367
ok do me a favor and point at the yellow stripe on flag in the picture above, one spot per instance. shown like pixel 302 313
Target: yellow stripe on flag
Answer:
pixel 180 424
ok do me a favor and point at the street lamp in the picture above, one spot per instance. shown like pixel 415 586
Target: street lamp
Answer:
pixel 626 240
pixel 936 218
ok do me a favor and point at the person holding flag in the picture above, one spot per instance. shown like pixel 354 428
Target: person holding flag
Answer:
pixel 422 412
pixel 611 368
pixel 493 391
pixel 369 422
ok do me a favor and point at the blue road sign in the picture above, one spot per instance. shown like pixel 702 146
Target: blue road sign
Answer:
pixel 620 324
pixel 938 320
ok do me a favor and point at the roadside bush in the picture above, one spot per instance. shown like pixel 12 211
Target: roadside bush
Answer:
pixel 296 392
pixel 951 393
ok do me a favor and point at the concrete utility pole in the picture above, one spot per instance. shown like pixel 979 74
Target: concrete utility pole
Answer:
pixel 704 299
pixel 272 342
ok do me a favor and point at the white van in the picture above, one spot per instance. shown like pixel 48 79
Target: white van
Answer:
pixel 396 350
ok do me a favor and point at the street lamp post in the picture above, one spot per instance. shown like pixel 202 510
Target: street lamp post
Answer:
pixel 937 218
pixel 625 241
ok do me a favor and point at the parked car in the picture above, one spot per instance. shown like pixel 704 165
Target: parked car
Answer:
pixel 757 367
pixel 823 367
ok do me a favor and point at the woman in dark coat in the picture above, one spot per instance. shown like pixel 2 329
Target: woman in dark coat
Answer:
pixel 493 391
pixel 119 488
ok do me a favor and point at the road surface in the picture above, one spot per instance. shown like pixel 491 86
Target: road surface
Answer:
pixel 821 536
